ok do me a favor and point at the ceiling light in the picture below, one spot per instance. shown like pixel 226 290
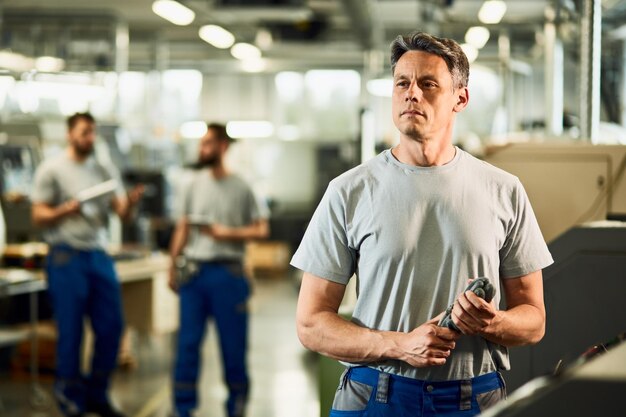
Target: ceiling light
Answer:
pixel 492 11
pixel 381 87
pixel 193 130
pixel 16 62
pixel 477 36
pixel 216 36
pixel 264 39
pixel 253 65
pixel 174 12
pixel 470 51
pixel 245 51
pixel 49 64
pixel 249 129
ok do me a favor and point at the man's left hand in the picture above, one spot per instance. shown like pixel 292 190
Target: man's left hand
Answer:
pixel 218 231
pixel 472 314
pixel 135 194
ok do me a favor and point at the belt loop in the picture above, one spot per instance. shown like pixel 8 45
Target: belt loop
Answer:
pixel 382 389
pixel 466 395
pixel 503 382
pixel 344 378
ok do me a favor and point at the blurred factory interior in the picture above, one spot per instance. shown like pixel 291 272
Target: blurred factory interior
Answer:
pixel 305 88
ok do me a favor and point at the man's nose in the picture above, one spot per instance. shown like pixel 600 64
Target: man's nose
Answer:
pixel 413 93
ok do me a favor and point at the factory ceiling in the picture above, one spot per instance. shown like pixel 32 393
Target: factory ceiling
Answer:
pixel 292 34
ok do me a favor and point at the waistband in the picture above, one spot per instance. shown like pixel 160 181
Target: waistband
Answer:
pixel 66 247
pixel 219 261
pixel 463 388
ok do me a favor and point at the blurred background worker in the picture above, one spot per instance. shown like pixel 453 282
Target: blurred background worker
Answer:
pixel 81 276
pixel 219 214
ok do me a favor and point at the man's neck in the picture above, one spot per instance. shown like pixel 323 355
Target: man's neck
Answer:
pixel 425 154
pixel 218 171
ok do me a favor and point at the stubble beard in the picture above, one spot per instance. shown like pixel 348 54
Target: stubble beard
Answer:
pixel 413 133
pixel 208 162
pixel 82 151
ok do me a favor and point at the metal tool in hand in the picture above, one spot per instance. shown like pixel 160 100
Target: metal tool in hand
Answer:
pixel 482 287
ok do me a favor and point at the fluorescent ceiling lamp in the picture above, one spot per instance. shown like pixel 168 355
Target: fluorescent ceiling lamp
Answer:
pixel 477 36
pixel 470 51
pixel 216 36
pixel 49 64
pixel 264 39
pixel 71 105
pixel 193 130
pixel 63 90
pixel 492 11
pixel 381 87
pixel 16 62
pixel 174 12
pixel 245 51
pixel 253 65
pixel 249 129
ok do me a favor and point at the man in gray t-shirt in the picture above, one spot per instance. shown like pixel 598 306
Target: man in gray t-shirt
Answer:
pixel 414 225
pixel 81 277
pixel 219 214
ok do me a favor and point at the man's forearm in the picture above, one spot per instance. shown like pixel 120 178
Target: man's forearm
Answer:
pixel 179 239
pixel 322 330
pixel 249 232
pixel 332 336
pixel 45 215
pixel 520 325
pixel 257 230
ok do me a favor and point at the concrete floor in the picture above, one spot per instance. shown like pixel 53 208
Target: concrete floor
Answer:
pixel 283 374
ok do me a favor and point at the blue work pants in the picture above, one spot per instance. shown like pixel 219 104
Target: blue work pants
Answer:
pixel 219 290
pixel 83 283
pixel 366 392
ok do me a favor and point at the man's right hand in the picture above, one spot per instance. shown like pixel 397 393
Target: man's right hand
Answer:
pixel 428 345
pixel 172 282
pixel 69 208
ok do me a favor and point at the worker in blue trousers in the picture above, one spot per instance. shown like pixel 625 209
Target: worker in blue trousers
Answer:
pixel 219 214
pixel 81 278
pixel 414 225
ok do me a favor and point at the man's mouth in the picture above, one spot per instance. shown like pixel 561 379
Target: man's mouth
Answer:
pixel 411 112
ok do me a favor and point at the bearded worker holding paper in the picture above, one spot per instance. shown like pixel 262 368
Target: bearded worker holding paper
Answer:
pixel 72 197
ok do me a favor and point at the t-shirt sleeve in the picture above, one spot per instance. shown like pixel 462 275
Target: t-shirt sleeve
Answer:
pixel 257 208
pixel 524 250
pixel 45 189
pixel 183 207
pixel 324 249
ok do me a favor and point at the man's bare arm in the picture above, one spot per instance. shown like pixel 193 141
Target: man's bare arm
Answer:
pixel 321 329
pixel 522 323
pixel 259 229
pixel 123 205
pixel 44 215
pixel 178 242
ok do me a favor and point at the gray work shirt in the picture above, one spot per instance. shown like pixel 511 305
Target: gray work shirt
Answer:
pixel 227 201
pixel 60 179
pixel 414 236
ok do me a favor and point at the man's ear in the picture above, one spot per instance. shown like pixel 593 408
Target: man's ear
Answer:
pixel 462 99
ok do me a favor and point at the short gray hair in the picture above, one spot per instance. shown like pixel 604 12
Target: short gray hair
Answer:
pixel 449 50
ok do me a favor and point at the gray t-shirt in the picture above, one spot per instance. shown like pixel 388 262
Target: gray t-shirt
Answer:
pixel 228 201
pixel 60 179
pixel 414 236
